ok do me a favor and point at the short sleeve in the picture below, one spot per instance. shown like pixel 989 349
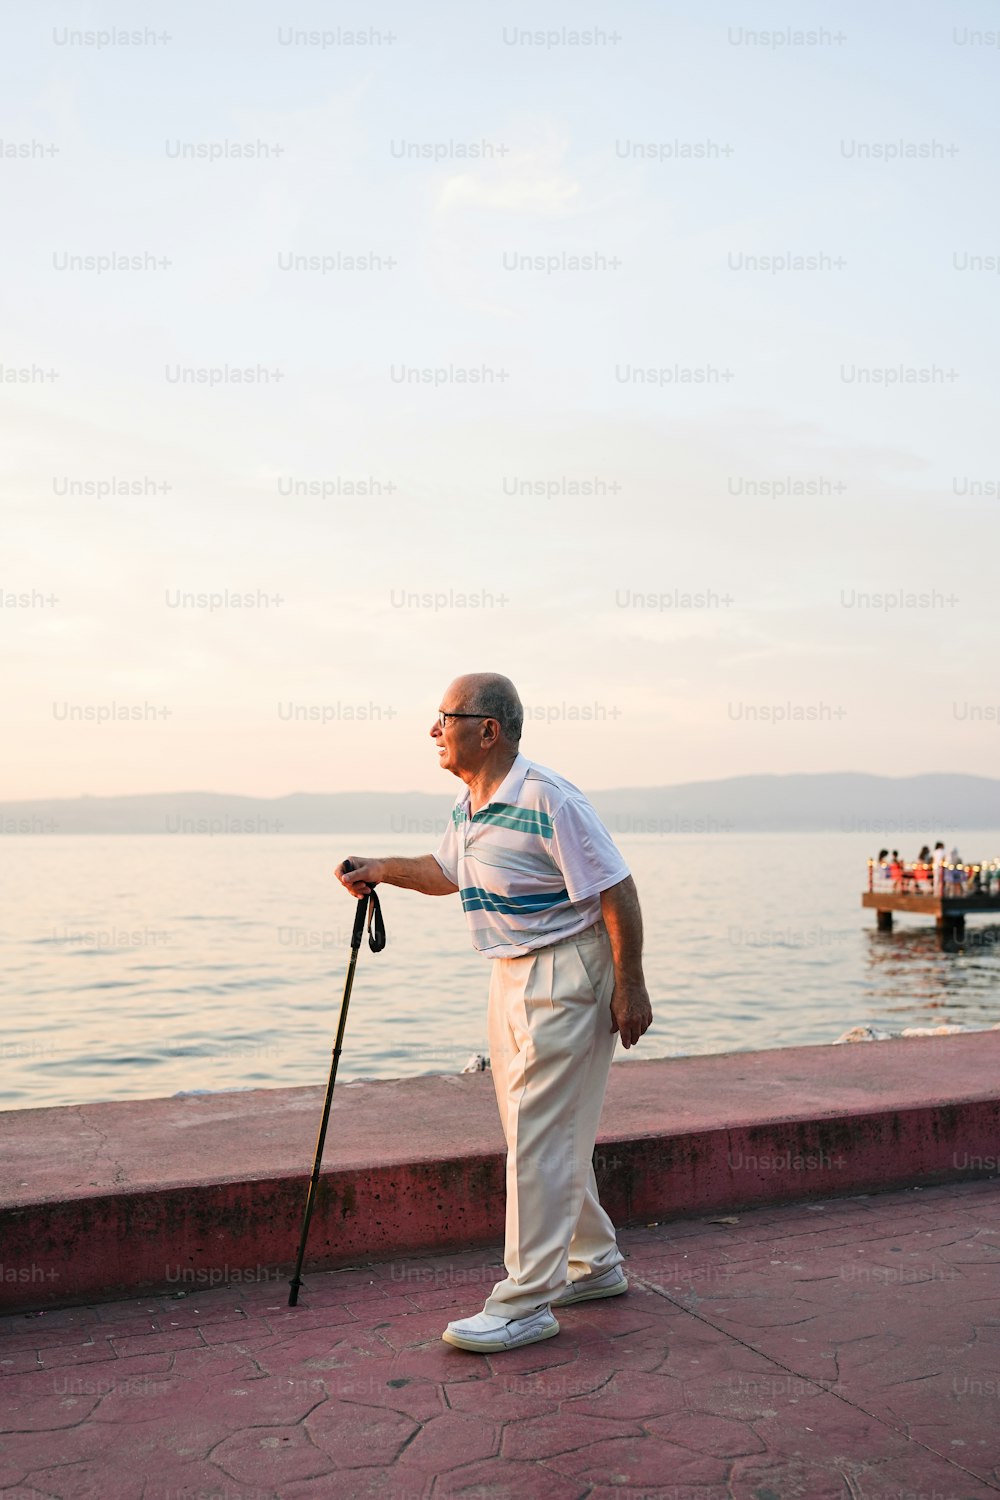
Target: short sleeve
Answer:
pixel 584 850
pixel 447 852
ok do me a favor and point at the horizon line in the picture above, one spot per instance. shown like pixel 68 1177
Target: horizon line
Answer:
pixel 416 792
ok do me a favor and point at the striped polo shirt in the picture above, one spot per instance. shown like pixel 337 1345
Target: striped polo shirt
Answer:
pixel 530 866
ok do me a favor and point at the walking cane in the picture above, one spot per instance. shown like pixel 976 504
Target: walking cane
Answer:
pixel 376 941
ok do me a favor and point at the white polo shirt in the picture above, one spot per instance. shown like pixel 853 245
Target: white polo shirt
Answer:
pixel 530 866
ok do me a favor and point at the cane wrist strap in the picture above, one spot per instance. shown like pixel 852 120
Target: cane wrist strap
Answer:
pixel 376 926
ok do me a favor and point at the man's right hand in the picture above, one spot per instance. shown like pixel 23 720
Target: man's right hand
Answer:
pixel 359 880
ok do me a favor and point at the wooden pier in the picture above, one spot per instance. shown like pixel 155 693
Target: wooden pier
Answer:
pixel 949 910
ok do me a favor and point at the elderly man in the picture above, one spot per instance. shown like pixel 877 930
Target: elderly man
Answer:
pixel 550 900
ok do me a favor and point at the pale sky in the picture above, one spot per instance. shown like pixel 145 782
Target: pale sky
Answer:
pixel 761 651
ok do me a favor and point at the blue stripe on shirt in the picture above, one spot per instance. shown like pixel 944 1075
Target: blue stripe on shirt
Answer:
pixel 474 898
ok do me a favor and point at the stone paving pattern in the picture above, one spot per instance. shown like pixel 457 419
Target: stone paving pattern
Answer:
pixel 840 1350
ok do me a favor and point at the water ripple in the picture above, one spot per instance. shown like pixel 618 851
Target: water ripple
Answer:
pixel 140 997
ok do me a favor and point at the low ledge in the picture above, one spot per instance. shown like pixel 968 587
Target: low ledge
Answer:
pixel 98 1200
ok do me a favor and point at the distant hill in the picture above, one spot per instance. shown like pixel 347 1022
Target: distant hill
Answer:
pixel 885 807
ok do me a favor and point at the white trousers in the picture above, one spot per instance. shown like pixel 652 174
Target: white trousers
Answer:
pixel 551 1045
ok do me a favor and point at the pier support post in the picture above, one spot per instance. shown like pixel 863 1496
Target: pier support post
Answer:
pixel 951 927
pixel 884 919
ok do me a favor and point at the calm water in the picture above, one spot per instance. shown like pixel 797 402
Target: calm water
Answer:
pixel 136 967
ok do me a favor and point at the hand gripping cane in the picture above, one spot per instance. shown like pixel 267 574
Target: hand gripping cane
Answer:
pixel 376 941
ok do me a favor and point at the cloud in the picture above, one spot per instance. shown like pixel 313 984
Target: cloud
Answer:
pixel 530 180
pixel 523 188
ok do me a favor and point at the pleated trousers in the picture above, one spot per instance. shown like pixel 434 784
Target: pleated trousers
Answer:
pixel 551 1045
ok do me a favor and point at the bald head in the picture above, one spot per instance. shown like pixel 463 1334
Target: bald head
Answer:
pixel 495 697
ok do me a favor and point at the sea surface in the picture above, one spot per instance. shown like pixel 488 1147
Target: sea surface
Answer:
pixel 144 966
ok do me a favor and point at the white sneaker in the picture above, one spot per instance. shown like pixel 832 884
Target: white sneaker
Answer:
pixel 608 1284
pixel 487 1334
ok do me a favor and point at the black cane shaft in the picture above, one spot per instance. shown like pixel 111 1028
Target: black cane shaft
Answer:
pixel 359 924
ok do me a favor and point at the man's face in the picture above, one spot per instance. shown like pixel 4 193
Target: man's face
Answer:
pixel 459 744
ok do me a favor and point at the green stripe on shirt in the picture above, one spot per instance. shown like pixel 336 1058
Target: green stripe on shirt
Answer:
pixel 521 819
pixel 474 898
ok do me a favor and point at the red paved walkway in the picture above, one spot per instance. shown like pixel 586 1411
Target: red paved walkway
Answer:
pixel 845 1350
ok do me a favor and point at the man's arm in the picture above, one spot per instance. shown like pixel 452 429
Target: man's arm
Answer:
pixel 631 1012
pixel 421 874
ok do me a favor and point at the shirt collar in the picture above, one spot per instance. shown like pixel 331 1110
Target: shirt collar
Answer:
pixel 508 789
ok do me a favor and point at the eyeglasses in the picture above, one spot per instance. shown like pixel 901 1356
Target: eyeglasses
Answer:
pixel 443 717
